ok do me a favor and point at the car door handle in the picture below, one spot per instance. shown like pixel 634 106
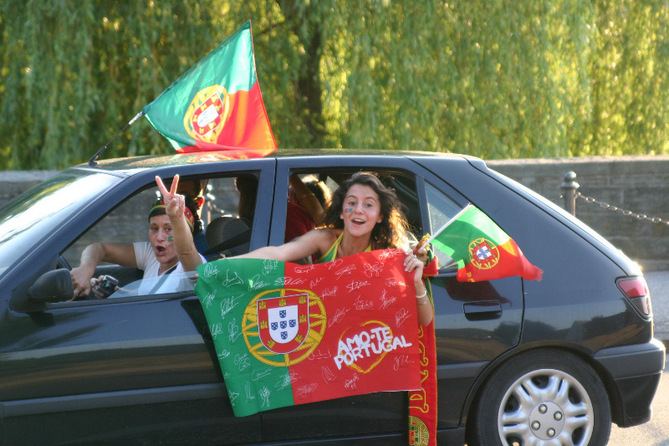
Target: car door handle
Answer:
pixel 476 311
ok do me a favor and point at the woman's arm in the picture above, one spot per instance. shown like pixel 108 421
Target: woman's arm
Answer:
pixel 314 241
pixel 423 305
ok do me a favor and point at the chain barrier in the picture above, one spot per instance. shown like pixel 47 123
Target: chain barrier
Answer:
pixel 618 210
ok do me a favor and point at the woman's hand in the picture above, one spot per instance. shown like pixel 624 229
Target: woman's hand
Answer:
pixel 416 262
pixel 413 262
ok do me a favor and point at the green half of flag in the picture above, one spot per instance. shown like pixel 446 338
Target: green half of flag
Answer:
pixel 482 250
pixel 216 104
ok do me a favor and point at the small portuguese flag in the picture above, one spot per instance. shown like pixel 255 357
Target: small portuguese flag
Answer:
pixel 482 250
pixel 217 104
pixel 289 334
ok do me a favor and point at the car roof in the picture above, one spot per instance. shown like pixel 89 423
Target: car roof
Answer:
pixel 140 163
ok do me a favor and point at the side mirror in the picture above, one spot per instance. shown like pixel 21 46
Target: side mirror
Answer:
pixel 52 286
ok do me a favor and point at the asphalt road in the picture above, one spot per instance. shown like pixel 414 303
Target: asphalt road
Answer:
pixel 656 431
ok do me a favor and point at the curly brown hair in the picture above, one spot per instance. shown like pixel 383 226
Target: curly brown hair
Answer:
pixel 392 231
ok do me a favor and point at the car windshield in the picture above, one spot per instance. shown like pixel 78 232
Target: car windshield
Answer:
pixel 31 216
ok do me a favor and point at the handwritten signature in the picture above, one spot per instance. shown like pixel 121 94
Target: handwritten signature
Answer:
pixel 346 270
pixel 264 395
pixel 256 283
pixel 269 265
pixel 361 304
pixel 209 271
pixel 356 285
pixel 328 375
pixel 386 301
pixel 242 361
pixel 227 305
pixel 401 316
pixel 401 361
pixel 338 316
pixel 230 281
pixel 329 293
pixel 373 270
pixel 233 331
pixel 352 383
pixel 209 299
pixel 305 390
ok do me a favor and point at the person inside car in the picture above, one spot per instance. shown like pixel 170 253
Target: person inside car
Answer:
pixel 363 215
pixel 298 219
pixel 170 248
pixel 305 207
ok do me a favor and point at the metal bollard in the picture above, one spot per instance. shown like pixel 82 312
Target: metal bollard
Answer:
pixel 569 189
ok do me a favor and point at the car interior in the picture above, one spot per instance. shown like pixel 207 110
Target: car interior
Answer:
pixel 226 214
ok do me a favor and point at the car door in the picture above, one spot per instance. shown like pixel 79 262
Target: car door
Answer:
pixel 128 370
pixel 474 322
pixel 365 415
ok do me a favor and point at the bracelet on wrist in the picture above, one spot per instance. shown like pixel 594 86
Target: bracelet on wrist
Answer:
pixel 421 295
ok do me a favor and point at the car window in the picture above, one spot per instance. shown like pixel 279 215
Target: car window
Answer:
pixel 440 209
pixel 166 283
pixel 222 231
pixel 323 182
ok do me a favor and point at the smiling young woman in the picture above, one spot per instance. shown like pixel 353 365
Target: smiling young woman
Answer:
pixel 363 215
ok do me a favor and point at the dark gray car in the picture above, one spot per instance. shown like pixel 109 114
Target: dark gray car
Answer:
pixel 519 362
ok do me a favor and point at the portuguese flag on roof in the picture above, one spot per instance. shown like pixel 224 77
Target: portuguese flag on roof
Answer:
pixel 289 334
pixel 482 250
pixel 217 104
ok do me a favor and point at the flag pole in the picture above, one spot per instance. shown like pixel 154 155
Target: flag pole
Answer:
pixel 92 161
pixel 446 225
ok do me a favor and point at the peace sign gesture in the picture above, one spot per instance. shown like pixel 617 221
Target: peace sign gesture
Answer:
pixel 181 218
pixel 175 204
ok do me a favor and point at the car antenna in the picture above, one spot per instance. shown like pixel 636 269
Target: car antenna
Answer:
pixel 92 162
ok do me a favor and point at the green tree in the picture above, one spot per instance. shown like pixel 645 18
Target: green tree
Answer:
pixel 492 78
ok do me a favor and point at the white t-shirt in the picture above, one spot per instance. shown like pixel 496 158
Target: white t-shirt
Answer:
pixel 146 261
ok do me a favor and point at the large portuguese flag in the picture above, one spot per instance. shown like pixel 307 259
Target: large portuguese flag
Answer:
pixel 217 104
pixel 289 334
pixel 482 250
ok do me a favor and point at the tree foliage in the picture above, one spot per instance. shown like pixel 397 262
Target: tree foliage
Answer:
pixel 491 78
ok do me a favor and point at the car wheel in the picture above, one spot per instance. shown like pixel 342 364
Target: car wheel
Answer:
pixel 541 398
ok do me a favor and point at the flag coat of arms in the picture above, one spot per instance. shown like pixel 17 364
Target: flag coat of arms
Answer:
pixel 482 250
pixel 217 104
pixel 289 334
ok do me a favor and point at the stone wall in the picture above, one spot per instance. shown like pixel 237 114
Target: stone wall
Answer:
pixel 637 184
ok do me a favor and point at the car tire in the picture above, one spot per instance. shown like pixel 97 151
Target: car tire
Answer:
pixel 543 397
